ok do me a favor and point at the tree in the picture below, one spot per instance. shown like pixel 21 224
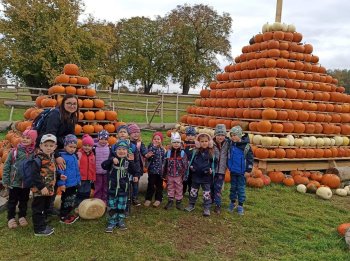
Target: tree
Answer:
pixel 198 35
pixel 144 51
pixel 343 77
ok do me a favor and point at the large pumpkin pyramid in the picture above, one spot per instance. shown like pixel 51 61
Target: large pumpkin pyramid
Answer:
pixel 280 94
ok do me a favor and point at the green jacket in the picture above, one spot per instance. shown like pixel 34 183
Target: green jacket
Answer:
pixel 9 176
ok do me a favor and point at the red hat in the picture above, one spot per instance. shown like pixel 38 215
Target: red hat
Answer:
pixel 87 139
pixel 158 133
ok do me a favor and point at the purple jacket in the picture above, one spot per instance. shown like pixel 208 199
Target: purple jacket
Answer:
pixel 101 154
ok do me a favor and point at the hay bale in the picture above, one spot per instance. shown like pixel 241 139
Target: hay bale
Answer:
pixel 91 208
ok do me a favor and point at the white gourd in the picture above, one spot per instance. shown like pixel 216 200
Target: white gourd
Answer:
pixel 284 27
pixel 257 139
pixel 298 142
pixel 327 142
pixel 301 188
pixel 313 141
pixel 341 192
pixel 332 141
pixel 306 141
pixel 276 26
pixel 324 192
pixel 338 140
pixel 284 142
pixel 266 141
pixel 291 140
pixel 346 141
pixel 320 142
pixel 291 28
pixel 275 141
pixel 265 28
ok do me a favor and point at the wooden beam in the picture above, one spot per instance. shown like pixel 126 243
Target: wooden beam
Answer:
pixel 279 10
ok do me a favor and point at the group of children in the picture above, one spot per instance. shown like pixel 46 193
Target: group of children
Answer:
pixel 114 171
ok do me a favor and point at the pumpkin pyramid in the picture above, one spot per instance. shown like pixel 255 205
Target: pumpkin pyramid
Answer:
pixel 278 92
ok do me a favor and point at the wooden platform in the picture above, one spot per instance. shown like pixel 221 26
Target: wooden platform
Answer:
pixel 301 164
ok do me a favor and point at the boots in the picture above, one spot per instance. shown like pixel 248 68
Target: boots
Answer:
pixel 179 205
pixel 169 205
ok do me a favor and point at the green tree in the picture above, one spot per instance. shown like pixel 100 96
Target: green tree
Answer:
pixel 197 35
pixel 343 77
pixel 144 51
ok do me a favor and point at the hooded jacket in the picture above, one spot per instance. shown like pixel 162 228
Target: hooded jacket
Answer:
pixel 71 172
pixel 221 154
pixel 240 156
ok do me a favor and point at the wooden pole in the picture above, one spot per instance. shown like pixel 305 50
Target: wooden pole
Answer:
pixel 177 107
pixel 162 109
pixel 279 10
pixel 146 111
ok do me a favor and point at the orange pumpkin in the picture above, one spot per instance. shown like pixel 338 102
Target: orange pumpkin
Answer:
pixel 91 92
pixel 331 180
pixel 39 99
pixel 87 103
pixel 98 103
pixel 62 78
pixel 111 115
pixel 78 129
pixel 84 81
pixel 112 140
pixel 81 91
pixel 100 115
pixel 71 69
pixel 73 80
pixel 288 181
pixel 71 90
pixel 89 115
pixel 98 128
pixel 88 129
pixel 276 176
pixel 109 127
pixel 343 228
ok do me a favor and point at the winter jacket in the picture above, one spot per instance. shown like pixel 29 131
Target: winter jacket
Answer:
pixel 9 177
pixel 45 176
pixel 155 163
pixel 72 171
pixel 188 147
pixel 175 165
pixel 240 157
pixel 141 152
pixel 87 165
pixel 54 125
pixel 118 175
pixel 221 154
pixel 101 154
pixel 200 166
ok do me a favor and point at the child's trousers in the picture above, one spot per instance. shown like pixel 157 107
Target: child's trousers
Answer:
pixel 175 187
pixel 155 185
pixel 206 194
pixel 101 185
pixel 117 206
pixel 21 196
pixel 40 206
pixel 68 201
pixel 237 188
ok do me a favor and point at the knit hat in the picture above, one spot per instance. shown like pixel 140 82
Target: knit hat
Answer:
pixel 236 130
pixel 121 127
pixel 70 139
pixel 175 137
pixel 220 129
pixel 103 134
pixel 133 128
pixel 191 131
pixel 121 144
pixel 48 137
pixel 158 133
pixel 87 140
pixel 32 134
pixel 211 143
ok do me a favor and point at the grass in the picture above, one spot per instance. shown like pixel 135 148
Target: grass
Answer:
pixel 279 224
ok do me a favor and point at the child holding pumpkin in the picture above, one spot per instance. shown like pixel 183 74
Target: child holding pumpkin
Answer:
pixel 11 179
pixel 120 165
pixel 155 157
pixel 240 162
pixel 101 154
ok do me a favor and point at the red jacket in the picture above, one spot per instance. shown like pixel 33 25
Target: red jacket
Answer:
pixel 87 165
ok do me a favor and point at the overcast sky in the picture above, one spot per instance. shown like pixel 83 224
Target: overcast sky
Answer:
pixel 325 24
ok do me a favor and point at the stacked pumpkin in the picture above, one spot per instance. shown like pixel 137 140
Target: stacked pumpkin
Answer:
pixel 275 88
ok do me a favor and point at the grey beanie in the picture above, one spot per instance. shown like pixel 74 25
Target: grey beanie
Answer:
pixel 236 130
pixel 220 129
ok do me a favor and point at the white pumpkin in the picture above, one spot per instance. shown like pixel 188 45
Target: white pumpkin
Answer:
pixel 143 183
pixel 196 129
pixel 265 28
pixel 177 126
pixel 182 128
pixel 291 28
pixel 332 141
pixel 301 188
pixel 346 141
pixel 341 192
pixel 276 26
pixel 284 141
pixel 347 188
pixel 338 140
pixel 266 141
pixel 257 139
pixel 320 142
pixel 291 140
pixel 313 141
pixel 92 208
pixel 324 192
pixel 326 142
pixel 251 136
pixel 275 141
pixel 306 141
pixel 284 27
pixel 298 142
pixel 57 202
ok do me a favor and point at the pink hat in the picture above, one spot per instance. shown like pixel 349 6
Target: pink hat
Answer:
pixel 158 133
pixel 32 134
pixel 87 140
pixel 133 128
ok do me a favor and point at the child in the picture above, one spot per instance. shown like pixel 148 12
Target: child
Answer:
pixel 240 161
pixel 101 154
pixel 202 166
pixel 87 167
pixel 44 178
pixel 175 166
pixel 221 146
pixel 155 156
pixel 18 194
pixel 189 145
pixel 119 167
pixel 69 179
pixel 135 138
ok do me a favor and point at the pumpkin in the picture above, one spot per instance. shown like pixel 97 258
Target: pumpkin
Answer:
pixel 81 91
pixel 341 192
pixel 91 92
pixel 331 180
pixel 73 80
pixel 276 176
pixel 78 129
pixel 312 187
pixel 288 181
pixel 88 129
pixel 71 90
pixel 92 208
pixel 71 69
pixel 109 127
pixel 98 128
pixel 301 188
pixel 264 126
pixel 100 115
pixel 87 103
pixel 315 175
pixel 62 78
pixel 89 115
pixel 255 182
pixel 342 228
pixel 261 153
pixel 80 115
pixel 84 81
pixel 266 179
pixel 111 116
pixel 112 140
pixel 98 103
pixel 299 179
pixel 324 192
pixel 227 176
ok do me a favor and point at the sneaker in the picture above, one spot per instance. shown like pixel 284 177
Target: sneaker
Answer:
pixel 156 203
pixel 240 210
pixel 136 202
pixel 169 205
pixel 147 203
pixel 23 222
pixel 45 232
pixel 121 225
pixel 109 228
pixel 189 208
pixel 217 210
pixel 70 219
pixel 50 228
pixel 179 205
pixel 231 207
pixel 206 212
pixel 12 223
pixel 53 212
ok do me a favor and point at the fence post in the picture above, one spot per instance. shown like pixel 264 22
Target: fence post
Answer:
pixel 177 108
pixel 146 111
pixel 162 109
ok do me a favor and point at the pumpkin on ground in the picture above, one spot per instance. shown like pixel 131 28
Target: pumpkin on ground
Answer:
pixel 342 228
pixel 324 192
pixel 92 208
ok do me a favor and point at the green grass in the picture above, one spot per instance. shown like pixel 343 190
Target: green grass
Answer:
pixel 279 224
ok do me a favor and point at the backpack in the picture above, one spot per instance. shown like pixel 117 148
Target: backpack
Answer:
pixel 25 169
pixel 40 119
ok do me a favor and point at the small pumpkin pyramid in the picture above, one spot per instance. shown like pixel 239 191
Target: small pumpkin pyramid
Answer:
pixel 277 91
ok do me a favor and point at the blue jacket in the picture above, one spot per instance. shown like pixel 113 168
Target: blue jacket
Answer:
pixel 240 157
pixel 201 165
pixel 72 170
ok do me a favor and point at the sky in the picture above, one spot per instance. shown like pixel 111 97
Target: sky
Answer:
pixel 325 24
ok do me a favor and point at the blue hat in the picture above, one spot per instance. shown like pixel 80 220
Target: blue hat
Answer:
pixel 121 144
pixel 191 131
pixel 103 134
pixel 123 127
pixel 70 139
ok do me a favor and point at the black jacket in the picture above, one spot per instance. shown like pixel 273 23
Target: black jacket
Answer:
pixel 200 167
